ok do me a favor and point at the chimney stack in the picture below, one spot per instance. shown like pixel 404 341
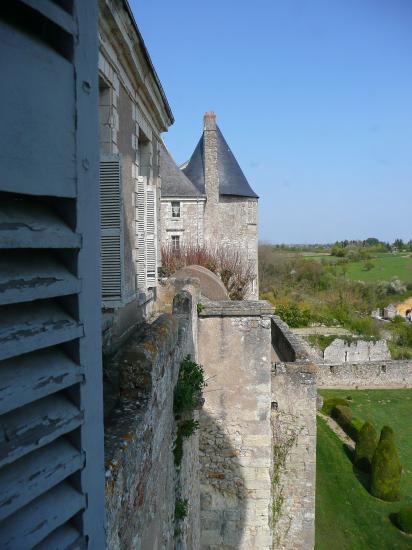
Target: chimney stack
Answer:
pixel 209 120
pixel 210 165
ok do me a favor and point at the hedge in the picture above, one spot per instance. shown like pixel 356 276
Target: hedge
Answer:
pixel 403 519
pixel 349 424
pixel 329 404
pixel 386 468
pixel 365 447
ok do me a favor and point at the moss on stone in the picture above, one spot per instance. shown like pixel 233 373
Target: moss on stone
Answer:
pixel 365 447
pixel 386 468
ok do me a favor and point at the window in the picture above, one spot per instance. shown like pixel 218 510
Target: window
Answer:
pixel 175 209
pixel 175 242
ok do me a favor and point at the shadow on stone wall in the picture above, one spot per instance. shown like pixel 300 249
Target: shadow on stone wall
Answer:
pixel 222 488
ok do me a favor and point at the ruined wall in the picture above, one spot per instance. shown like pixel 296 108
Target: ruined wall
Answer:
pixel 294 455
pixel 235 432
pixel 341 351
pixel 367 374
pixel 142 482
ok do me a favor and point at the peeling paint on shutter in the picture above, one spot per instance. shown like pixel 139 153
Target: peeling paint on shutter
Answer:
pixel 111 228
pixel 51 417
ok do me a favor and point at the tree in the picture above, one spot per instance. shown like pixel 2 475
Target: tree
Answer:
pixel 365 447
pixel 368 265
pixel 386 468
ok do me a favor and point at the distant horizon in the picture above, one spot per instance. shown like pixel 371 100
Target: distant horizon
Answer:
pixel 314 99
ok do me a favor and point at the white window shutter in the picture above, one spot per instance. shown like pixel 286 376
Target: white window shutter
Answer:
pixel 111 228
pixel 151 237
pixel 141 232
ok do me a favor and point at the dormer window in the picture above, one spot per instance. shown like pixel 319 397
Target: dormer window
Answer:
pixel 175 209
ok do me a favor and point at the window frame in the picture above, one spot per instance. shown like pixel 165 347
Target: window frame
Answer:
pixel 175 239
pixel 176 204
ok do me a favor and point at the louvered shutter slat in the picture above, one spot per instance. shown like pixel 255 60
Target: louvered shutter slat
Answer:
pixel 35 375
pixel 33 426
pixel 34 522
pixel 111 225
pixel 25 277
pixel 55 13
pixel 44 324
pixel 66 537
pixel 30 224
pixel 36 473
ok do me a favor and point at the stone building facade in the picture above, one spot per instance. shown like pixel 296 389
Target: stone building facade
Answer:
pixel 133 112
pixel 210 202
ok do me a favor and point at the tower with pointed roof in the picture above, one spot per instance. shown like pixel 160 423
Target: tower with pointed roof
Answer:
pixel 209 201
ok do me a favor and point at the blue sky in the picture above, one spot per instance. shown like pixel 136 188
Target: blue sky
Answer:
pixel 313 96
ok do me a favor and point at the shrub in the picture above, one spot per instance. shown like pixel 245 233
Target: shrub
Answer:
pixel 329 404
pixel 365 447
pixel 236 274
pixel 403 519
pixel 386 468
pixel 344 417
pixel 293 315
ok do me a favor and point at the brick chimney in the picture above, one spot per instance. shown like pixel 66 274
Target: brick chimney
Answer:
pixel 210 160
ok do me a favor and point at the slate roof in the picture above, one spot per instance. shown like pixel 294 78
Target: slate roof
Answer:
pixel 231 178
pixel 174 181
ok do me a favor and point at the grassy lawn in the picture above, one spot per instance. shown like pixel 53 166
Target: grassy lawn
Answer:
pixel 385 267
pixel 347 516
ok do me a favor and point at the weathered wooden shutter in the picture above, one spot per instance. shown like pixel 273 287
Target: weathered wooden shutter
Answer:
pixel 141 232
pixel 111 229
pixel 51 428
pixel 151 237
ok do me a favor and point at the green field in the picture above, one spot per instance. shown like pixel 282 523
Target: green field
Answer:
pixel 385 267
pixel 347 516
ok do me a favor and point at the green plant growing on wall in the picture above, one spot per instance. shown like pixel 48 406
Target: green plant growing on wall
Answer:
pixel 181 509
pixel 189 386
pixel 187 396
pixel 386 468
pixel 185 428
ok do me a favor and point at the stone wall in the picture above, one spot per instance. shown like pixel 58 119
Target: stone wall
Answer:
pixel 287 345
pixel 294 450
pixel 235 432
pixel 368 374
pixel 342 351
pixel 190 224
pixel 142 482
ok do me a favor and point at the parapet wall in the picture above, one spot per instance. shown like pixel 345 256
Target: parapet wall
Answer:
pixel 367 374
pixel 287 345
pixel 235 432
pixel 142 482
